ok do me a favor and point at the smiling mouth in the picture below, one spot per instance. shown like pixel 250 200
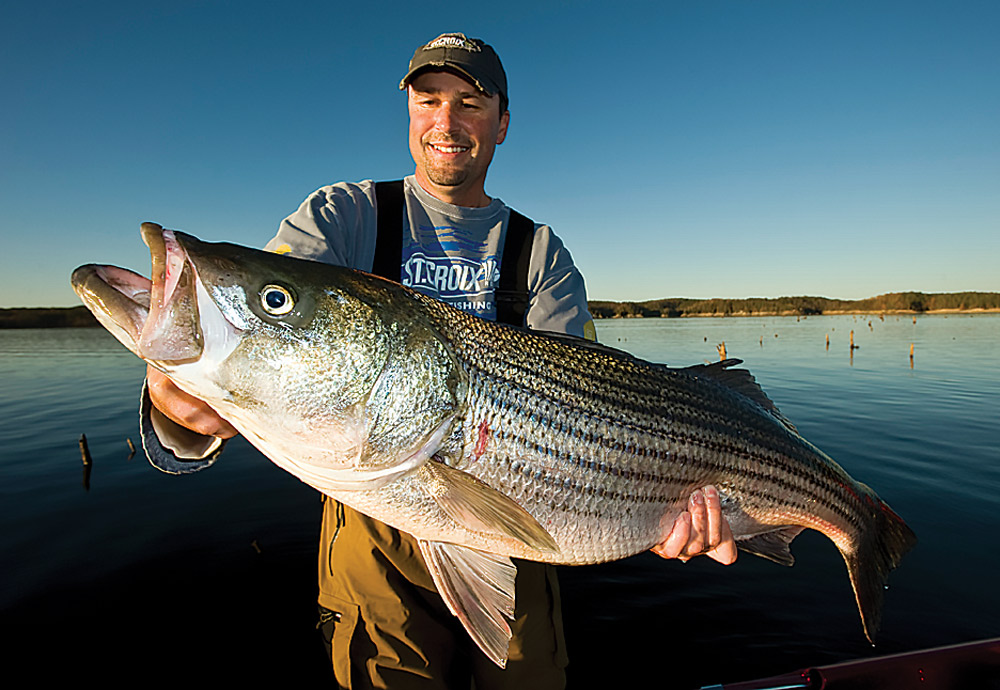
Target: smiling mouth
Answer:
pixel 448 148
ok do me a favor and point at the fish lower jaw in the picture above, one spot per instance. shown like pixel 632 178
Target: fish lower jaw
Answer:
pixel 125 335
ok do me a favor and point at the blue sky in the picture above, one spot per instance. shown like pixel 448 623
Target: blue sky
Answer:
pixel 700 149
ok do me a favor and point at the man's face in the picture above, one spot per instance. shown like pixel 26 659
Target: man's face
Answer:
pixel 454 129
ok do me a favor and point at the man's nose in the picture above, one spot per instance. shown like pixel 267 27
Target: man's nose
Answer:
pixel 444 118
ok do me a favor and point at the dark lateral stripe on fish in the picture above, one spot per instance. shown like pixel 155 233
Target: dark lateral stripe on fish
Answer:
pixel 798 496
pixel 803 483
pixel 649 422
pixel 613 377
pixel 582 488
pixel 585 489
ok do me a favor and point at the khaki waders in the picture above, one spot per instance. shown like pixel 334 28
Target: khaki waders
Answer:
pixel 387 627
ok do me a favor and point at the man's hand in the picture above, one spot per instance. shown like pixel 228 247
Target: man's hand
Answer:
pixel 185 409
pixel 700 529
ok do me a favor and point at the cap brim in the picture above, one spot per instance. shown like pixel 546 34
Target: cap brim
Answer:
pixel 446 67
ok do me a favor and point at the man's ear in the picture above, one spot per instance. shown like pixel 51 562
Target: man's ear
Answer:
pixel 504 121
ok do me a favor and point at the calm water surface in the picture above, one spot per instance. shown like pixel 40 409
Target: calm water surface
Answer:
pixel 214 573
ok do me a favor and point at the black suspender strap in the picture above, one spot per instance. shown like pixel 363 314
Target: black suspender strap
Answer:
pixel 512 291
pixel 389 230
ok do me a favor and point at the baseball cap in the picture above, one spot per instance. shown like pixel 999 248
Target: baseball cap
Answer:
pixel 470 57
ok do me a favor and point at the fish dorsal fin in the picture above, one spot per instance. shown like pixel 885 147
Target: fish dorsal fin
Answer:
pixel 481 508
pixel 171 448
pixel 741 381
pixel 478 588
pixel 773 545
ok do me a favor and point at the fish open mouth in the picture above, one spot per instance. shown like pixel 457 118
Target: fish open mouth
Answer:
pixel 172 331
pixel 118 298
pixel 156 319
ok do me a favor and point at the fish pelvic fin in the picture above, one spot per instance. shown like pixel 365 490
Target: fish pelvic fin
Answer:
pixel 481 508
pixel 879 549
pixel 478 588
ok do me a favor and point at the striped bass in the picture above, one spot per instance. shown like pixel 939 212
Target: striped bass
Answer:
pixel 483 441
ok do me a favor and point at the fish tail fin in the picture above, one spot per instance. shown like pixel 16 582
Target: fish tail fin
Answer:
pixel 876 553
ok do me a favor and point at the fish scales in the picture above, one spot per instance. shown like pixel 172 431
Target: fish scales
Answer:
pixel 621 449
pixel 483 441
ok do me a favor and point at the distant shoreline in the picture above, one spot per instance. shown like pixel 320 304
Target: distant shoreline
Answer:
pixel 891 303
pixel 740 315
pixel 47 317
pixel 897 303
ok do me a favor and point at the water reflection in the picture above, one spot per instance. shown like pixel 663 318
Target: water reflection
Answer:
pixel 926 439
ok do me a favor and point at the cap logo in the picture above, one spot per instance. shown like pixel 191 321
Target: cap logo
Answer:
pixel 453 41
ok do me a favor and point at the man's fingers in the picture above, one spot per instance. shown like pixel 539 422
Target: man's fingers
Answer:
pixel 726 552
pixel 696 543
pixel 720 545
pixel 701 529
pixel 185 409
pixel 713 510
pixel 675 542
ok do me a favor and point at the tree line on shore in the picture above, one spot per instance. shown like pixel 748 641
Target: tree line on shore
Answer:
pixel 54 317
pixel 909 302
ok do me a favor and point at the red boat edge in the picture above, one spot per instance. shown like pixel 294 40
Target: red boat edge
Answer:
pixel 968 665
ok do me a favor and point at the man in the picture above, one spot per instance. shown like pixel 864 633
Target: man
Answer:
pixel 380 613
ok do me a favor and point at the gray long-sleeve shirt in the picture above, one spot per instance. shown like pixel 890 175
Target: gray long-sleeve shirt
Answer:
pixel 449 252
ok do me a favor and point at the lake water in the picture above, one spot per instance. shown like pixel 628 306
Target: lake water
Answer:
pixel 144 575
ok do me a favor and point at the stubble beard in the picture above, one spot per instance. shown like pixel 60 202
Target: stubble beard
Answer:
pixel 445 175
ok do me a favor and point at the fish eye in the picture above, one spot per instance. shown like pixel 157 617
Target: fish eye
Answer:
pixel 276 300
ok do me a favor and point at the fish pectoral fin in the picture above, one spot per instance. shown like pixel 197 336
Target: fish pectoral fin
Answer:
pixel 481 508
pixel 478 588
pixel 773 545
pixel 171 448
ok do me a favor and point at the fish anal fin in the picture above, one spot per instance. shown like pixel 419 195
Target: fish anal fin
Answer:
pixel 478 588
pixel 481 508
pixel 773 545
